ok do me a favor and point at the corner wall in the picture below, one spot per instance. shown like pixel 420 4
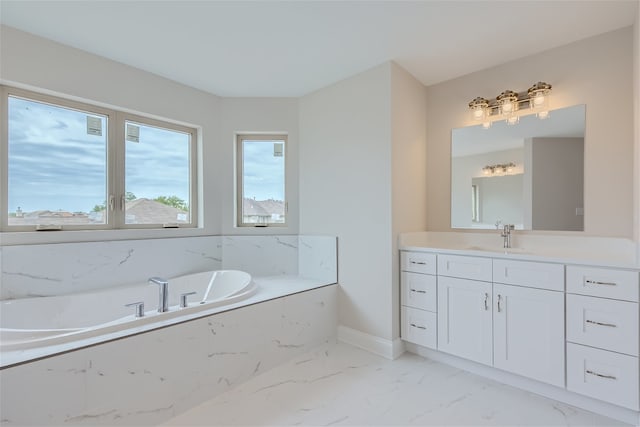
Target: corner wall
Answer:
pixel 362 178
pixel 345 190
pixel 596 72
pixel 409 176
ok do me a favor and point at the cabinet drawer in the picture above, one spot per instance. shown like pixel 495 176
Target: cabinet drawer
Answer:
pixel 419 327
pixel 602 374
pixel 419 291
pixel 418 262
pixel 465 267
pixel 603 282
pixel 603 323
pixel 531 274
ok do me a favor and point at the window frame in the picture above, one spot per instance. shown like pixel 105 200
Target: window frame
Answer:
pixel 115 161
pixel 239 183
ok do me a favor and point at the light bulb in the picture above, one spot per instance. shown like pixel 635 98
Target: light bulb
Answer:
pixel 478 113
pixel 543 115
pixel 513 120
pixel 507 107
pixel 486 125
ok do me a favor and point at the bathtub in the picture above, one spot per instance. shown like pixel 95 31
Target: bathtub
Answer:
pixel 46 321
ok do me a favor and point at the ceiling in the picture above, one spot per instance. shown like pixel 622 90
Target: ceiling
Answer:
pixel 291 48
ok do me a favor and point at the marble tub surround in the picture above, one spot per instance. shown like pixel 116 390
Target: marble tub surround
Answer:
pixel 268 288
pixel 64 268
pixel 149 378
pixel 603 251
pixel 343 385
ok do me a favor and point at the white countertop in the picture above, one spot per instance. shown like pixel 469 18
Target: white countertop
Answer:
pixel 579 250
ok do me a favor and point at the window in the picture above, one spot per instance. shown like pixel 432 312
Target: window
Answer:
pixel 261 180
pixel 73 166
pixel 475 204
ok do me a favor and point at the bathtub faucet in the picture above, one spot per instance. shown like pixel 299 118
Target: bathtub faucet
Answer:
pixel 163 300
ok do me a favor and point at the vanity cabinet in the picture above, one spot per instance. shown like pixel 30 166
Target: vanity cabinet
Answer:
pixel 571 326
pixel 418 296
pixel 513 326
pixel 603 334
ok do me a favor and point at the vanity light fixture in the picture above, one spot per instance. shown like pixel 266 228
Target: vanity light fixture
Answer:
pixel 507 105
pixel 499 169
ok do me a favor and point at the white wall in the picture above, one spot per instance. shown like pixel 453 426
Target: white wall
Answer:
pixel 345 190
pixel 596 72
pixel 40 64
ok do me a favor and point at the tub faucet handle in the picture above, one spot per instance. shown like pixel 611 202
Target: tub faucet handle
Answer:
pixel 183 298
pixel 139 311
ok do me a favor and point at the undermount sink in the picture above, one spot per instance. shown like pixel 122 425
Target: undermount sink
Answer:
pixel 497 250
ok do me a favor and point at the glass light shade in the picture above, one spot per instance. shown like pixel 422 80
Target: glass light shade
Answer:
pixel 513 119
pixel 478 113
pixel 543 115
pixel 486 125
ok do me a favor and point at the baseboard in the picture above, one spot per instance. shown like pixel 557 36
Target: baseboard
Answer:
pixel 542 389
pixel 382 347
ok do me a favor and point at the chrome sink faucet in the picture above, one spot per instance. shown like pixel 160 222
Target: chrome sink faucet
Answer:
pixel 163 300
pixel 506 233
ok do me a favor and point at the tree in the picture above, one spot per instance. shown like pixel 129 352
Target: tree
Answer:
pixel 173 201
pixel 129 196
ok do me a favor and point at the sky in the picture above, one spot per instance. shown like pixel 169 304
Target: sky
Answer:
pixel 55 164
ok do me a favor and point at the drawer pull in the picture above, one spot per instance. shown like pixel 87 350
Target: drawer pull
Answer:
pixel 593 322
pixel 596 282
pixel 418 291
pixel 609 377
pixel 419 327
pixel 418 262
pixel 486 301
pixel 499 300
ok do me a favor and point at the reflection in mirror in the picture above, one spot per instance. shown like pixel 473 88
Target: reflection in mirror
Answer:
pixel 530 174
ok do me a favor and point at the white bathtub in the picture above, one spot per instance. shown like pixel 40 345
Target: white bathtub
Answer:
pixel 37 322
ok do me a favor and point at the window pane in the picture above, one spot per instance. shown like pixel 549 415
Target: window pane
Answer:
pixel 263 182
pixel 56 165
pixel 156 175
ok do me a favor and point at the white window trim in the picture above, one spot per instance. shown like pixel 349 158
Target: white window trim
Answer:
pixel 239 193
pixel 115 225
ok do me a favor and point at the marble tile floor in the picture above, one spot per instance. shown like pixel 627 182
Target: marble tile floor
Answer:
pixel 343 385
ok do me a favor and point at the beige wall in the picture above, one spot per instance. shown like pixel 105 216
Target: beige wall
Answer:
pixel 556 186
pixel 345 190
pixel 636 98
pixel 596 72
pixel 40 64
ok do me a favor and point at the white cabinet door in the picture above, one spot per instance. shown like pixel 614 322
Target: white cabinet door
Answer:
pixel 528 332
pixel 464 319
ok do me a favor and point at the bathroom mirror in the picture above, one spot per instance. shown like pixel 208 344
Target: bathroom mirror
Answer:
pixel 530 174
